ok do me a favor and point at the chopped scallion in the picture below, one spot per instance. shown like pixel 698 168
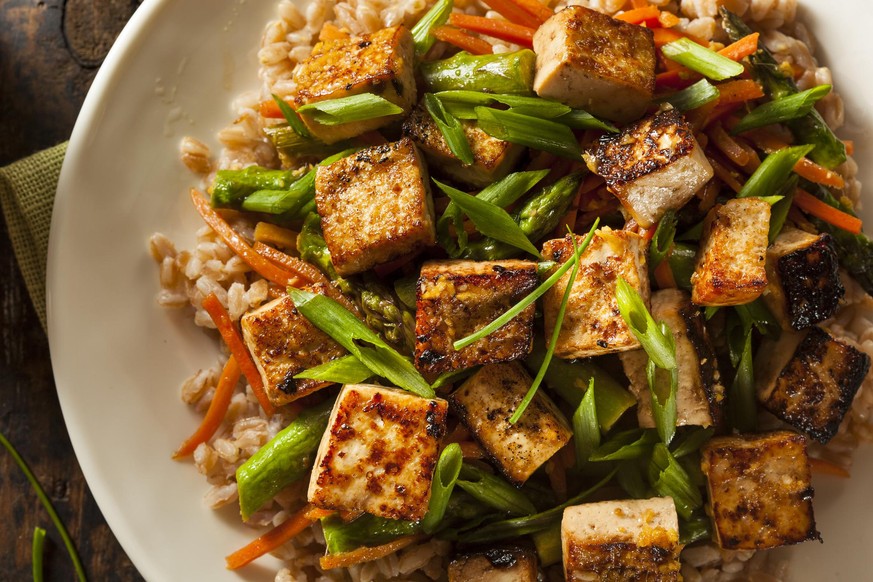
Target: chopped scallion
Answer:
pixel 630 444
pixel 348 109
pixel 586 430
pixel 773 172
pixel 697 95
pixel 444 479
pixel 291 117
pixel 664 408
pixel 783 109
pixel 670 479
pixel 741 401
pixel 521 104
pixel 36 553
pixel 579 119
pixel 450 127
pixel 345 370
pixel 533 132
pixel 422 35
pixel 701 59
pixel 662 240
pixel 494 491
pixel 639 320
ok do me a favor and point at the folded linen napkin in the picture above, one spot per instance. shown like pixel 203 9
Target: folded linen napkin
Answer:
pixel 27 193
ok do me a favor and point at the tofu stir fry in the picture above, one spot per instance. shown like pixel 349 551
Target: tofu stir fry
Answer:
pixel 567 307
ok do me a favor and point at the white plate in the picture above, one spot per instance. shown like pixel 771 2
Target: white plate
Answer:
pixel 119 359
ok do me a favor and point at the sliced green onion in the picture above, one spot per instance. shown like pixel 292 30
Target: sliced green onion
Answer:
pixel 771 200
pixel 422 32
pixel 36 553
pixel 697 95
pixel 553 341
pixel 693 441
pixel 47 504
pixel 453 376
pixel 348 109
pixel 670 480
pixel 664 404
pixel 662 240
pixel 345 370
pixel 586 430
pixel 289 142
pixel 639 320
pixel 779 210
pixel 494 491
pixel 350 332
pixel 631 477
pixel 783 109
pixel 450 127
pixel 741 401
pixel 521 104
pixel 490 219
pixel 701 60
pixel 758 314
pixel 291 117
pixel 682 260
pixel 710 312
pixel 579 119
pixel 696 529
pixel 539 134
pixel 630 444
pixel 548 545
pixel 444 478
pixel 773 171
pixel 365 531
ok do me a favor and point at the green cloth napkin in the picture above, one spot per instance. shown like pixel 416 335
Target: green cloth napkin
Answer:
pixel 27 193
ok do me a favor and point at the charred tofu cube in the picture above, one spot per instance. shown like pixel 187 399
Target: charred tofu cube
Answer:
pixel 591 61
pixel 380 63
pixel 458 298
pixel 809 380
pixel 759 490
pixel 621 540
pixel 653 166
pixel 492 158
pixel 487 400
pixel 501 564
pixel 592 323
pixel 803 280
pixel 375 206
pixel 700 397
pixel 283 343
pixel 379 452
pixel 730 266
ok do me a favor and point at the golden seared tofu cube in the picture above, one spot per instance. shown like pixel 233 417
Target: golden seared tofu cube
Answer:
pixel 485 403
pixel 375 206
pixel 492 158
pixel 700 396
pixel 803 279
pixel 730 266
pixel 809 379
pixel 653 166
pixel 632 539
pixel 592 323
pixel 379 452
pixel 591 61
pixel 380 63
pixel 283 343
pixel 458 298
pixel 759 487
pixel 500 564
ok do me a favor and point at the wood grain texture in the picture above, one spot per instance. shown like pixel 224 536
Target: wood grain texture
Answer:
pixel 49 53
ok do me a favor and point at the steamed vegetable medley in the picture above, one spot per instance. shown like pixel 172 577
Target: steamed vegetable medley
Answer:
pixel 545 303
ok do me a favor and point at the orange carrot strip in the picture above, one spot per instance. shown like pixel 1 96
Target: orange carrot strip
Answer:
pixel 366 554
pixel 270 110
pixel 850 146
pixel 823 467
pixel 668 19
pixel 664 275
pixel 237 348
pixel 813 172
pixel 293 265
pixel 271 540
pixel 646 14
pixel 216 412
pixel 315 513
pixel 665 35
pixel 259 264
pixel 739 91
pixel 462 40
pixel 729 146
pixel 512 12
pixel 535 8
pixel 502 29
pixel 742 48
pixel 812 205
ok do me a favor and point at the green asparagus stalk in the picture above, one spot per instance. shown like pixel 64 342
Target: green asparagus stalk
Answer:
pixel 810 129
pixel 291 144
pixel 367 530
pixel 510 73
pixel 231 187
pixel 282 461
pixel 494 491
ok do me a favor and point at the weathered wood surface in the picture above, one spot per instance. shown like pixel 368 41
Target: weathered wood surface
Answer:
pixel 49 53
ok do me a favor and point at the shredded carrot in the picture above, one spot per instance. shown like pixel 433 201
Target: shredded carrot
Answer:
pixel 366 554
pixel 823 467
pixel 471 450
pixel 330 31
pixel 742 48
pixel 315 513
pixel 668 19
pixel 535 8
pixel 512 12
pixel 646 15
pixel 812 205
pixel 850 146
pixel 664 275
pixel 723 113
pixel 739 91
pixel 270 110
pixel 665 35
pixel 813 172
pixel 237 348
pixel 216 412
pixel 293 265
pixel 502 29
pixel 259 264
pixel 269 233
pixel 725 174
pixel 462 40
pixel 729 146
pixel 271 540
pixel 677 78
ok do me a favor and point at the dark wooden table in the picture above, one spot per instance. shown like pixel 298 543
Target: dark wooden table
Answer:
pixel 49 53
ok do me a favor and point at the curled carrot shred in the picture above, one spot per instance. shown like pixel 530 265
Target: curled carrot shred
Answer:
pixel 833 216
pixel 513 12
pixel 367 554
pixel 271 540
pixel 502 29
pixel 462 40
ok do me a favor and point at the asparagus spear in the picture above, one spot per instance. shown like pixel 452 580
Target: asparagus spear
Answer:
pixel 231 187
pixel 810 129
pixel 510 73
pixel 367 530
pixel 291 144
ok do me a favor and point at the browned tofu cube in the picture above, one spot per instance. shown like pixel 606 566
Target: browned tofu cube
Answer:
pixel 500 564
pixel 759 490
pixel 591 61
pixel 458 298
pixel 283 343
pixel 632 539
pixel 492 158
pixel 653 166
pixel 592 323
pixel 730 266
pixel 379 452
pixel 379 63
pixel 485 403
pixel 700 396
pixel 809 380
pixel 375 206
pixel 803 279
